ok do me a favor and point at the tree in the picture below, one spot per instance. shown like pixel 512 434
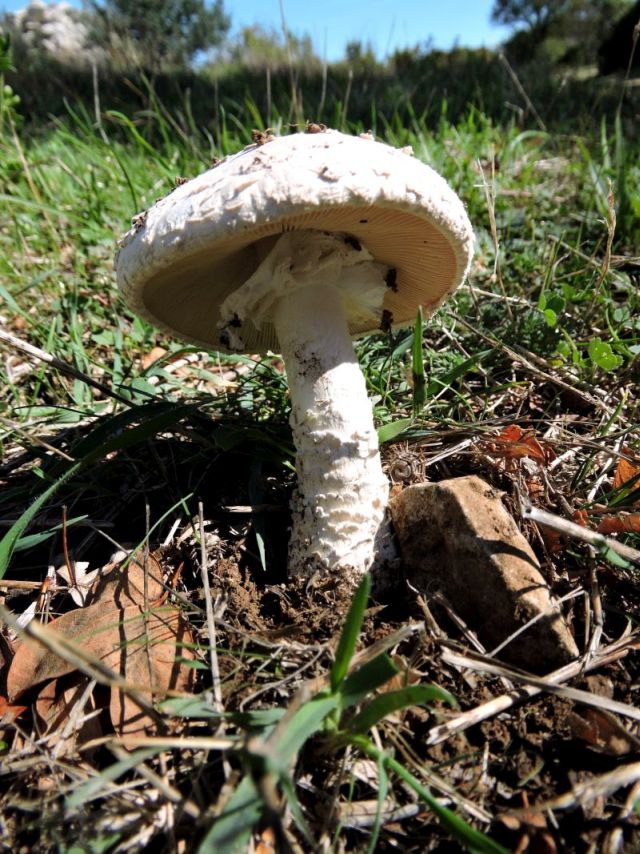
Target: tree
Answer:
pixel 566 30
pixel 156 34
pixel 258 48
pixel 534 14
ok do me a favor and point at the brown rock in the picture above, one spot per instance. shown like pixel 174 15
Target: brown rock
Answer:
pixel 456 536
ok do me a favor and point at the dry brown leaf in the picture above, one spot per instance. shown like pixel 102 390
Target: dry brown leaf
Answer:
pixel 514 443
pixel 581 517
pixel 627 523
pixel 626 470
pixel 146 646
pixel 55 703
pixel 266 844
pixel 124 585
pixel 152 356
pixel 603 732
pixel 157 652
pixel 8 712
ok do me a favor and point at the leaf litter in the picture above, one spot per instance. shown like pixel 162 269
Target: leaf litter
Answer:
pixel 128 629
pixel 274 640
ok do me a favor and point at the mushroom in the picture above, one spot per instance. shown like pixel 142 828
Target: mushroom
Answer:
pixel 296 245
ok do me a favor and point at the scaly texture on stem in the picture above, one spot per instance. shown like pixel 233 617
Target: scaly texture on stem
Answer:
pixel 342 492
pixel 307 286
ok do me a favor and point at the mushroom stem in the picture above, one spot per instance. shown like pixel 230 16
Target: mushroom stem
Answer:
pixel 341 498
pixel 310 285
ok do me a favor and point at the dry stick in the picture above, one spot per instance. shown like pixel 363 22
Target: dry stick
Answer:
pixel 598 621
pixel 63 367
pixel 211 625
pixel 550 609
pixel 73 721
pixel 34 439
pixel 20 585
pixel 415 761
pixel 490 196
pixel 216 682
pixel 591 790
pixel 170 792
pixel 65 550
pixel 625 85
pixel 616 452
pixel 483 665
pixel 500 704
pixel 571 529
pixel 197 742
pixel 516 82
pixel 518 355
pixel 364 814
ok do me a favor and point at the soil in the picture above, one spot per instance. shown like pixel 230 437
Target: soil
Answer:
pixel 274 637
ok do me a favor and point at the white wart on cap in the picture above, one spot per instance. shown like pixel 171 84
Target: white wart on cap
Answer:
pixel 295 246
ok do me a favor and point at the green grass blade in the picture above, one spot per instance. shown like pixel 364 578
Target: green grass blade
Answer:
pixel 350 633
pixel 383 788
pixel 231 831
pixel 306 722
pixel 391 431
pixel 366 679
pixel 417 367
pixel 473 840
pixel 393 701
pixel 10 539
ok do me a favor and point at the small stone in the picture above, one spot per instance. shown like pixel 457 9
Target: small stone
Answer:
pixel 456 536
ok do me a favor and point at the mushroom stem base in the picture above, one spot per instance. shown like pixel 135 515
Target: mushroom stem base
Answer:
pixel 340 503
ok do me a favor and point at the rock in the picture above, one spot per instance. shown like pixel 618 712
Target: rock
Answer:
pixel 457 537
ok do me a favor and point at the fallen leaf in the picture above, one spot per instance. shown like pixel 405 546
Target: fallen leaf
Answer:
pixel 552 539
pixel 627 472
pixel 83 580
pixel 581 517
pixel 603 732
pixel 155 660
pixel 514 443
pixel 627 523
pixel 152 356
pixel 266 844
pixel 56 703
pixel 8 712
pixel 148 645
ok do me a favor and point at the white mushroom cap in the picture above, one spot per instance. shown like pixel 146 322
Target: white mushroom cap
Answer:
pixel 201 242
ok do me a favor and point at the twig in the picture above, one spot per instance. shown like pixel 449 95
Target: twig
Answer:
pixel 19 585
pixel 65 551
pixel 173 743
pixel 526 359
pixel 483 665
pixel 249 509
pixel 494 707
pixel 35 440
pixel 58 364
pixel 170 792
pixel 211 625
pixel 516 82
pixel 591 790
pixel 596 604
pixel 550 609
pixel 571 529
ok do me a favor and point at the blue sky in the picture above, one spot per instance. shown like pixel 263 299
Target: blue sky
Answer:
pixel 387 24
